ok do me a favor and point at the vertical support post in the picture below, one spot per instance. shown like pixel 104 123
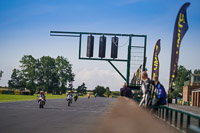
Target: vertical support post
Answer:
pixel 167 113
pixel 192 98
pixel 176 118
pixel 128 60
pixel 144 61
pixel 171 114
pixel 188 121
pixel 80 46
pixel 163 110
pixel 181 121
pixel 160 112
pixel 199 123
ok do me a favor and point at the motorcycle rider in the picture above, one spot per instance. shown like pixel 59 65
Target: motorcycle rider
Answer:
pixel 95 95
pixel 69 96
pixel 88 95
pixel 41 94
pixel 75 96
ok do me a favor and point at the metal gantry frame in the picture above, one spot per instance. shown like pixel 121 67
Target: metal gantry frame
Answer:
pixel 128 60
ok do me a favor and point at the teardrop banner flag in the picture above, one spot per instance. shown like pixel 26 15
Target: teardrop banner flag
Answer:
pixel 138 74
pixel 180 28
pixel 155 64
pixel 133 81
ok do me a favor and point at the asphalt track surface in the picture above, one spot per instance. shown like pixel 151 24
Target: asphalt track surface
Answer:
pixel 56 117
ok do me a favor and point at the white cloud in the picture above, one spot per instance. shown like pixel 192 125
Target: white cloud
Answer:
pixel 97 76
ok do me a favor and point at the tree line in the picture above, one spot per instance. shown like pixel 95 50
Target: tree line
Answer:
pixel 46 73
pixel 99 90
pixel 183 75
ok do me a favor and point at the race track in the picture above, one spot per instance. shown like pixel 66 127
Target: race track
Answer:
pixel 56 117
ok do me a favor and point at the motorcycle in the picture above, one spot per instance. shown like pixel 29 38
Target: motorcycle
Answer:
pixel 69 99
pixel 41 102
pixel 75 98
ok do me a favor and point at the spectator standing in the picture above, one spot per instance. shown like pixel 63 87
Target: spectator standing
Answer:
pixel 126 91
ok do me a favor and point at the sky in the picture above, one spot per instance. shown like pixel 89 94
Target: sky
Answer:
pixel 26 24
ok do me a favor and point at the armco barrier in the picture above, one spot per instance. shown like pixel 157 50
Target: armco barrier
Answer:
pixel 7 92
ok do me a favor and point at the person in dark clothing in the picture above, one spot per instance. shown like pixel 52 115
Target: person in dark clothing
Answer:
pixel 160 93
pixel 126 91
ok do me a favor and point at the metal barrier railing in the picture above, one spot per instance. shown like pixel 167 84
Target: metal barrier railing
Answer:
pixel 177 118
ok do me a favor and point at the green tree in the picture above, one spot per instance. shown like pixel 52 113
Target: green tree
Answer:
pixel 108 92
pixel 197 71
pixel 54 75
pixel 64 73
pixel 116 93
pixel 29 68
pixel 46 74
pixel 82 89
pixel 1 72
pixel 182 75
pixel 100 90
pixel 15 79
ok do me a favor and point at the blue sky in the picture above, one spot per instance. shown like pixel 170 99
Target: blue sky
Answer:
pixel 26 25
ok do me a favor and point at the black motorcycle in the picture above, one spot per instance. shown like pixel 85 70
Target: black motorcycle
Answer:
pixel 41 102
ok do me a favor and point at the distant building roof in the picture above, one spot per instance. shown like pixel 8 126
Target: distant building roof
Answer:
pixel 196 90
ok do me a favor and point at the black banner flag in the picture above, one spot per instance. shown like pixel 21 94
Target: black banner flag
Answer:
pixel 180 29
pixel 155 64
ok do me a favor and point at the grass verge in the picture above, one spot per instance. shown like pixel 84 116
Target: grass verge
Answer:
pixel 13 98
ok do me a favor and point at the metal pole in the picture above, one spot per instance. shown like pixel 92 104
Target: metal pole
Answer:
pixel 163 110
pixel 188 121
pixel 145 43
pixel 167 114
pixel 80 45
pixel 171 115
pixel 175 118
pixel 117 70
pixel 199 123
pixel 128 60
pixel 181 121
pixel 86 33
